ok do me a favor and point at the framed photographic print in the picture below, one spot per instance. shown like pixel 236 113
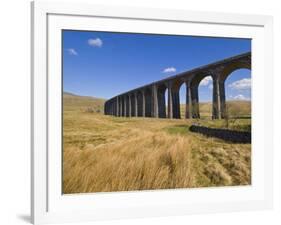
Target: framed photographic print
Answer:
pixel 148 112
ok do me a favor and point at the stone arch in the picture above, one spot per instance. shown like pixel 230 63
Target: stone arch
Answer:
pixel 231 67
pixel 194 90
pixel 227 70
pixel 237 93
pixel 246 74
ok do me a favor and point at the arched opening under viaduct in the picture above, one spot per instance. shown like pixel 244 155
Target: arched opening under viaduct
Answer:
pixel 166 101
pixel 205 95
pixel 237 86
pixel 182 97
pixel 199 81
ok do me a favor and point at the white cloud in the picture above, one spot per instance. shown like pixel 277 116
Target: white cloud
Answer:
pixel 97 42
pixel 207 80
pixel 243 84
pixel 241 97
pixel 71 51
pixel 170 70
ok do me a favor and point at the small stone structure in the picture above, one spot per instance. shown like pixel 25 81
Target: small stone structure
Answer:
pixel 225 134
pixel 149 100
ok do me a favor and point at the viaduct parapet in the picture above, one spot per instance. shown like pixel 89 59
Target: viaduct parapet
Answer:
pixel 149 100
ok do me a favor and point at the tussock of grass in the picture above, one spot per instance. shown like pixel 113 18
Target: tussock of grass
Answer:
pixel 143 162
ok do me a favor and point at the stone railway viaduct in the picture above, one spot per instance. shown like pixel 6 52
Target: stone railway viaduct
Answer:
pixel 149 100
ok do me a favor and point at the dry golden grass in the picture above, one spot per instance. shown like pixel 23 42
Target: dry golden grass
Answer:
pixel 103 153
pixel 235 109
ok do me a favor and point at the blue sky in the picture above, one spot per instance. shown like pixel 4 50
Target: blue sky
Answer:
pixel 104 64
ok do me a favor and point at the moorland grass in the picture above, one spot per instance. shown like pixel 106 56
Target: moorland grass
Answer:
pixel 104 153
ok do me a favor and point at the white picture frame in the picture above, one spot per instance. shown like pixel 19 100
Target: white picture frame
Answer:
pixel 49 205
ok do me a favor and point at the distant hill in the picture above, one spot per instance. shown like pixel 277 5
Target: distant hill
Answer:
pixel 73 102
pixel 69 93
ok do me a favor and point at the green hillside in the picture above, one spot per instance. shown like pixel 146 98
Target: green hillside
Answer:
pixel 72 102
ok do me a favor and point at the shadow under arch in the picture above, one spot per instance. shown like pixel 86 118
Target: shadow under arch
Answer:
pixel 148 102
pixel 139 104
pixel 161 91
pixel 132 104
pixel 127 105
pixel 175 92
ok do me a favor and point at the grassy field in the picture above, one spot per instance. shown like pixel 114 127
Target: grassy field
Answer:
pixel 104 153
